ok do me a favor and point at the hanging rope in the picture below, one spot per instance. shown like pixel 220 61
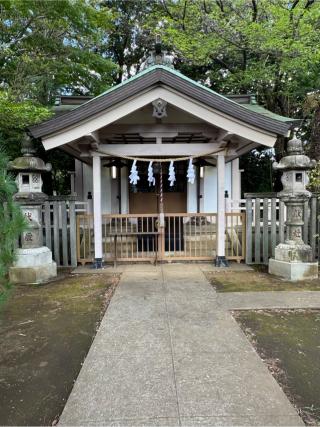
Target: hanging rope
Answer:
pixel 161 189
pixel 167 159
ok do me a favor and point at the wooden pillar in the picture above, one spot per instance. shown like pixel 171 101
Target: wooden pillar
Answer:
pixel 220 258
pixel 97 215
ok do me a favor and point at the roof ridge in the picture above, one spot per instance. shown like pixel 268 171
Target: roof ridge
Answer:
pixel 159 67
pixel 171 78
pixel 172 71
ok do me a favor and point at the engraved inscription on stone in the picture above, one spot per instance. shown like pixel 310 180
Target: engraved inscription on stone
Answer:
pixel 28 215
pixel 28 237
pixel 297 213
pixel 296 232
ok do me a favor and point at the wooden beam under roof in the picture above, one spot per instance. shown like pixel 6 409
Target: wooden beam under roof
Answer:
pixel 159 129
pixel 156 150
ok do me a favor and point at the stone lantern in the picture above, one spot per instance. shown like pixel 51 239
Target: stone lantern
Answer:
pixel 33 260
pixel 294 259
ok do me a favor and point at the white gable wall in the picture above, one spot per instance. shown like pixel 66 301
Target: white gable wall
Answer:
pixel 210 189
pixel 192 197
pixel 124 191
pixel 83 176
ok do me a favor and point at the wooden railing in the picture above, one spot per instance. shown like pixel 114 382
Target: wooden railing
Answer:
pixel 190 236
pixel 140 238
pixel 133 244
pixel 235 245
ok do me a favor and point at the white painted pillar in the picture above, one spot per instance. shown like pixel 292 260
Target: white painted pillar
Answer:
pixel 220 260
pixel 97 215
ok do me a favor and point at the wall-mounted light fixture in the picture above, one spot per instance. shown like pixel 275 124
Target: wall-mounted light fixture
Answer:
pixel 115 166
pixel 114 172
pixel 201 171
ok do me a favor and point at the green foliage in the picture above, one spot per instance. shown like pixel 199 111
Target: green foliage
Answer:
pixel 257 176
pixel 46 48
pixel 266 47
pixel 12 221
pixel 129 39
pixel 15 116
pixel 50 46
pixel 314 177
pixel 312 111
pixel 18 115
pixel 270 48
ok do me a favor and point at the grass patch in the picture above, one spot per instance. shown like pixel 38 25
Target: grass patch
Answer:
pixel 256 281
pixel 289 343
pixel 45 334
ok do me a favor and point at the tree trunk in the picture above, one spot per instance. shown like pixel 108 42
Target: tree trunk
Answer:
pixel 314 150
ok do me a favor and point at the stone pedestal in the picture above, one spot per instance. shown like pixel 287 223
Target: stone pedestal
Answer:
pixel 293 262
pixel 293 271
pixel 33 265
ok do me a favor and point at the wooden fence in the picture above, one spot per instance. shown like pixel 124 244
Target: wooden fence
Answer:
pixel 265 227
pixel 59 229
pixel 186 236
pixel 253 229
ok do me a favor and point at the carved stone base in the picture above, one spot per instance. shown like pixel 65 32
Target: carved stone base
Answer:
pixel 33 265
pixel 293 271
pixel 293 252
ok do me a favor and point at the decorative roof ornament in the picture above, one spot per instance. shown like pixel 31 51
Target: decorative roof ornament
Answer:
pixel 158 56
pixel 159 108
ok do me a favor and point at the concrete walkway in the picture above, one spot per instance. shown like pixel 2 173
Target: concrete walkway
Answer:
pixel 168 353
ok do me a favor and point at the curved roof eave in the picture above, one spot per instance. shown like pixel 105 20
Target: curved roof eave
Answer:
pixel 152 76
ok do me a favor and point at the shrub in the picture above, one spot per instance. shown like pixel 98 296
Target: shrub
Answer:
pixel 12 221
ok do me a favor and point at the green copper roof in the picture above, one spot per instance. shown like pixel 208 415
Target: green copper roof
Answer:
pixel 136 77
pixel 252 107
pixel 161 74
pixel 261 110
pixel 157 67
